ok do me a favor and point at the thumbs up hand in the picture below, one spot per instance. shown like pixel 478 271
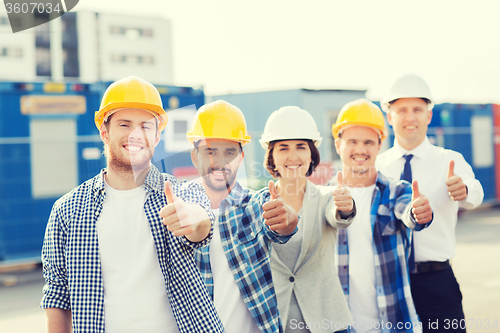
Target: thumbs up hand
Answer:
pixel 342 196
pixel 279 216
pixel 273 190
pixel 421 209
pixel 456 187
pixel 184 219
pixel 169 193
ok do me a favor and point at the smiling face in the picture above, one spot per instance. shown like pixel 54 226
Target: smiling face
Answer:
pixel 409 118
pixel 358 147
pixel 130 137
pixel 292 158
pixel 217 162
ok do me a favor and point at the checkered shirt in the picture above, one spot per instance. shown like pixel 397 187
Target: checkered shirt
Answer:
pixel 392 224
pixel 72 269
pixel 246 241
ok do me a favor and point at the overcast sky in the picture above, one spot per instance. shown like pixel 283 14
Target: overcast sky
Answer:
pixel 241 46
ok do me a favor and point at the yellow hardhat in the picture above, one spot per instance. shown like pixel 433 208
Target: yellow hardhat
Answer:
pixel 360 113
pixel 131 92
pixel 219 120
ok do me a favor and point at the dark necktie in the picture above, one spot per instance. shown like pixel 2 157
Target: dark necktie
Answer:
pixel 406 175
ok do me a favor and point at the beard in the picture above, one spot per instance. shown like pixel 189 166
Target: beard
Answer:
pixel 229 179
pixel 128 164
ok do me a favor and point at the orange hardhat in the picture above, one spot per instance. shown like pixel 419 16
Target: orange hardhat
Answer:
pixel 131 92
pixel 360 113
pixel 219 120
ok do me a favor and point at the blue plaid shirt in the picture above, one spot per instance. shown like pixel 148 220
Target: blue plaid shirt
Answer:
pixel 72 269
pixel 392 224
pixel 246 241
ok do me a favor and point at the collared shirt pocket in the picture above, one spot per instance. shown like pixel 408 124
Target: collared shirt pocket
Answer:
pixel 251 241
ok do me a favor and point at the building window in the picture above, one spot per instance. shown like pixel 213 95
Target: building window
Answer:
pixel 180 129
pixel 147 32
pixel 11 52
pixel 131 33
pixel 42 30
pixel 132 59
pixel 71 66
pixel 43 61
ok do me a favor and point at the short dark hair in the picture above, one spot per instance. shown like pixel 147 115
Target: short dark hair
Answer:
pixel 197 144
pixel 107 121
pixel 271 167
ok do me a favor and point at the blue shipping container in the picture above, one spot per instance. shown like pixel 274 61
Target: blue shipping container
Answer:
pixel 49 144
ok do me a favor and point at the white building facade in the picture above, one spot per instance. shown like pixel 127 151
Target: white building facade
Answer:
pixel 88 47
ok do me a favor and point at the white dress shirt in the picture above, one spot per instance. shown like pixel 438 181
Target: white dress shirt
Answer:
pixel 430 166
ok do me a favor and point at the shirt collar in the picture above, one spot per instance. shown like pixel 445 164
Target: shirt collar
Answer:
pixel 236 196
pixel 420 151
pixel 382 180
pixel 99 182
pixel 154 181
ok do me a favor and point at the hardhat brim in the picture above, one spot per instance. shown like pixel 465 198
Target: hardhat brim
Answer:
pixel 193 138
pixel 264 142
pixel 385 104
pixel 109 109
pixel 342 126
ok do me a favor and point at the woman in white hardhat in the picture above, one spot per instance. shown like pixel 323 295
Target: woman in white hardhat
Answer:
pixel 304 273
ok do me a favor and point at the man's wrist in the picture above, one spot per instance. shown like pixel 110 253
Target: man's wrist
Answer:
pixel 346 215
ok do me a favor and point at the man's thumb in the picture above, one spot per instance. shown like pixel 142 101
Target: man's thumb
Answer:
pixel 273 190
pixel 451 171
pixel 414 187
pixel 340 179
pixel 169 193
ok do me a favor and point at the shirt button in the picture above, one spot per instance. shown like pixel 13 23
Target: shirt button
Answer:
pixel 252 234
pixel 292 279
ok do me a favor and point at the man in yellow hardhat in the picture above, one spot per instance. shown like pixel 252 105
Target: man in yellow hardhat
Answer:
pixel 374 251
pixel 117 249
pixel 236 266
pixel 450 183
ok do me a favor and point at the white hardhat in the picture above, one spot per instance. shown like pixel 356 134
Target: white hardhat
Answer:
pixel 290 123
pixel 407 86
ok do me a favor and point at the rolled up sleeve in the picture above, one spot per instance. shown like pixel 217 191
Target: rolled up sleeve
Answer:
pixel 55 291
